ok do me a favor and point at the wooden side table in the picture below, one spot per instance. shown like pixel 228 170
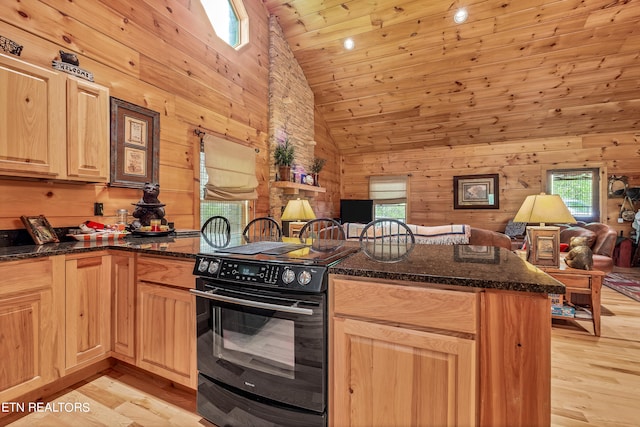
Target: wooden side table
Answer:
pixel 588 282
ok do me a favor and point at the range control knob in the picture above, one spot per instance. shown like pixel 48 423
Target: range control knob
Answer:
pixel 288 276
pixel 213 267
pixel 202 267
pixel 304 277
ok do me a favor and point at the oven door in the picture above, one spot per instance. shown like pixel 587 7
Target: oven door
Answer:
pixel 266 343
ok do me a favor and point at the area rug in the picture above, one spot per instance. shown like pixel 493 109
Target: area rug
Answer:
pixel 624 285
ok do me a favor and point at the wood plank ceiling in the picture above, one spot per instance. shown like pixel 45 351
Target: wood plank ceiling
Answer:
pixel 516 69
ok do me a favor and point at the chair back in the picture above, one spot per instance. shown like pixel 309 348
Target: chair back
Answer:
pixel 323 234
pixel 387 240
pixel 262 229
pixel 216 231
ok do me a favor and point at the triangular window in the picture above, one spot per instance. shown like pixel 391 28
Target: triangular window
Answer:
pixel 229 20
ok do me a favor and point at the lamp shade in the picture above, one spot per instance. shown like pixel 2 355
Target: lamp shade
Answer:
pixel 544 208
pixel 298 210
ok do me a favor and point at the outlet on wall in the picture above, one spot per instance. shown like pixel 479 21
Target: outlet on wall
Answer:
pixel 98 209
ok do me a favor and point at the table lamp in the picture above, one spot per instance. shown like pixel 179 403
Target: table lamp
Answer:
pixel 298 212
pixel 543 242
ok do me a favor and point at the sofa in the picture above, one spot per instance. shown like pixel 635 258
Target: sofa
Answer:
pixel 444 234
pixel 600 237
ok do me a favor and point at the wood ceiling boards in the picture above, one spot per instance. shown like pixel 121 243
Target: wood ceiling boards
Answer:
pixel 514 70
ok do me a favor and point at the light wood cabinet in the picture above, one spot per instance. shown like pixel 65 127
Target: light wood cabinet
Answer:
pixel 31 325
pixel 404 353
pixel 88 309
pixel 123 287
pixel 87 131
pixel 52 125
pixel 399 357
pixel 165 319
pixel 32 120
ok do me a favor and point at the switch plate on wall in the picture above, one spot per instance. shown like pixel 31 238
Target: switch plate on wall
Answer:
pixel 98 209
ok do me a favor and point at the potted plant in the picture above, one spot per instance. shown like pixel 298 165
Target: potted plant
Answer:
pixel 316 167
pixel 283 155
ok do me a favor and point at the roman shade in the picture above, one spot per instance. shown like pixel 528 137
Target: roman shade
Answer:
pixel 388 188
pixel 231 168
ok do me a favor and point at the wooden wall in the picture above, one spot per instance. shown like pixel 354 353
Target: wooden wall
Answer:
pixel 160 55
pixel 520 164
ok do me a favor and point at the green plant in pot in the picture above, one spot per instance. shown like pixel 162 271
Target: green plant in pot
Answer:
pixel 316 167
pixel 284 155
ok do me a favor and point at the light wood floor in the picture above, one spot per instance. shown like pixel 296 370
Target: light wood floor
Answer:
pixel 595 381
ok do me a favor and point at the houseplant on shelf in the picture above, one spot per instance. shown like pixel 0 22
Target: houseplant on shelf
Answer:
pixel 283 155
pixel 316 167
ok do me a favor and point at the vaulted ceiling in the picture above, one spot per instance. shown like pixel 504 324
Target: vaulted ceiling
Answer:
pixel 516 69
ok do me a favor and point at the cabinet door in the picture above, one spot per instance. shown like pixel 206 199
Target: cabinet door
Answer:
pixel 123 302
pixel 391 376
pixel 32 120
pixel 87 131
pixel 88 309
pixel 31 324
pixel 166 332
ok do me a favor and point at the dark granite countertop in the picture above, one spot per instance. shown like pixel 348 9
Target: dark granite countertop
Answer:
pixel 177 247
pixel 458 265
pixel 455 265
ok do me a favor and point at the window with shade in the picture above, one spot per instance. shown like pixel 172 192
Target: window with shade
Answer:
pixel 389 195
pixel 579 190
pixel 227 181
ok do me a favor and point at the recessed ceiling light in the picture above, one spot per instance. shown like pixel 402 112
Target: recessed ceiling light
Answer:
pixel 349 43
pixel 461 16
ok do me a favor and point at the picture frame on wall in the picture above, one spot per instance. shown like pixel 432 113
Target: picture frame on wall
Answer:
pixel 476 191
pixel 39 229
pixel 135 134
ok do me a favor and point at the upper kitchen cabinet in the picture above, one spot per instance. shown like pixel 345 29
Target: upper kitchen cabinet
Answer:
pixel 52 126
pixel 87 131
pixel 32 120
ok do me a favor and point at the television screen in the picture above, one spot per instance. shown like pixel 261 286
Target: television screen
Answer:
pixel 356 211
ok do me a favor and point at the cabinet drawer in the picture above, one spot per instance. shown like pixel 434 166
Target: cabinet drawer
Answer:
pixel 18 276
pixel 166 271
pixel 573 280
pixel 422 307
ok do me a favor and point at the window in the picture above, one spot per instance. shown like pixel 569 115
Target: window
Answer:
pixel 228 19
pixel 579 189
pixel 236 212
pixel 389 194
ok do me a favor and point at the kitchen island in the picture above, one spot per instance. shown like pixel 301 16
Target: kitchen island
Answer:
pixel 449 335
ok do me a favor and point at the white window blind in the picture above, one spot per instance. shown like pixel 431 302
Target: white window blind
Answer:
pixel 231 168
pixel 390 189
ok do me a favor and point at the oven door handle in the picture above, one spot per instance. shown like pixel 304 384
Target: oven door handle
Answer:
pixel 257 304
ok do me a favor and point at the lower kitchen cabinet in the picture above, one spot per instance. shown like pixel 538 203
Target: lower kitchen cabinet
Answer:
pixel 404 353
pixel 123 285
pixel 88 309
pixel 388 370
pixel 31 325
pixel 165 319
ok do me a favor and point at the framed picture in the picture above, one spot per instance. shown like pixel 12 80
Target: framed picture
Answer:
pixel 39 229
pixel 135 134
pixel 477 254
pixel 543 246
pixel 476 192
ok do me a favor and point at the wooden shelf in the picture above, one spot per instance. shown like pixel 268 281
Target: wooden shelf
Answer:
pixel 295 188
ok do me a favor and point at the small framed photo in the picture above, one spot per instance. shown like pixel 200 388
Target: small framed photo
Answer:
pixel 39 229
pixel 476 192
pixel 135 133
pixel 543 246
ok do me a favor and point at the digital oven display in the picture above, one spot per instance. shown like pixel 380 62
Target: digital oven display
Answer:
pixel 249 270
